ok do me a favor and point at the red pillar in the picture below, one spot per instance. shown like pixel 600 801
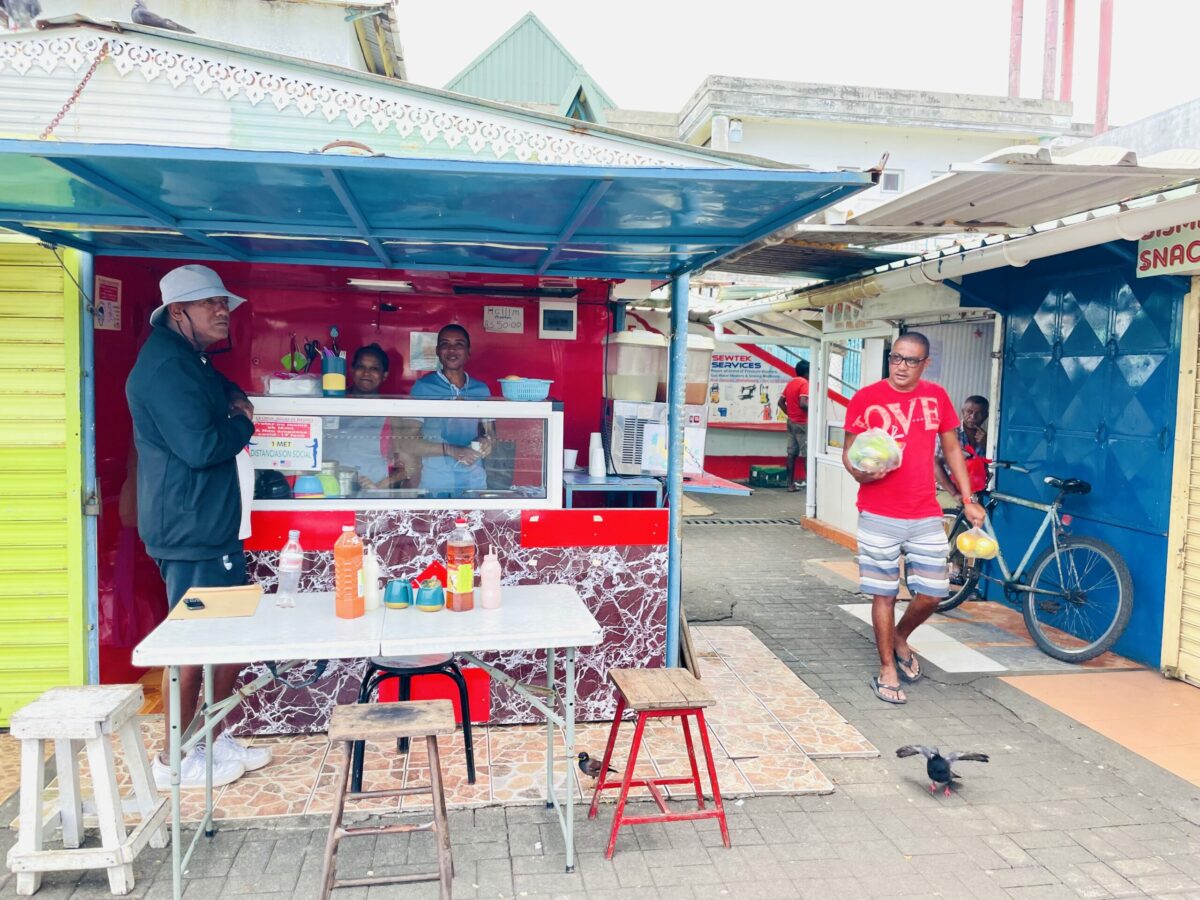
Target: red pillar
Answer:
pixel 1050 59
pixel 1105 67
pixel 1068 50
pixel 1014 48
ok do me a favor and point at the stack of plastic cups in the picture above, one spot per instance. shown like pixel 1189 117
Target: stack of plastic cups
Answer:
pixel 596 464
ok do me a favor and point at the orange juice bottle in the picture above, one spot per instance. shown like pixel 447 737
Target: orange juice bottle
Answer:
pixel 460 568
pixel 347 575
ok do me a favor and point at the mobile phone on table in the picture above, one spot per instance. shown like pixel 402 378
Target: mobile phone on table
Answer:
pixel 193 603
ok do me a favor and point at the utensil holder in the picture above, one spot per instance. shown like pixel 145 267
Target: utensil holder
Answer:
pixel 333 376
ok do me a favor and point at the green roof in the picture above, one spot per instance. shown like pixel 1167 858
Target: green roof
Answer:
pixel 527 64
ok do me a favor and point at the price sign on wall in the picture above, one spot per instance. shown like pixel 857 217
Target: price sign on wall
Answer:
pixel 744 390
pixel 504 319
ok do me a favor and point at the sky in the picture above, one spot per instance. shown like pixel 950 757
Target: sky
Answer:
pixel 653 54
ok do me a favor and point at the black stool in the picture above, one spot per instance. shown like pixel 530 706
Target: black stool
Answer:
pixel 384 668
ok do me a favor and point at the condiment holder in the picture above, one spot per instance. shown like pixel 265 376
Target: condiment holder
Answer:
pixel 430 596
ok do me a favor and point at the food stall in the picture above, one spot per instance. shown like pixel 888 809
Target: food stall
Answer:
pixel 388 248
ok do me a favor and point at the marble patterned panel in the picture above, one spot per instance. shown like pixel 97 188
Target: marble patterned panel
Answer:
pixel 623 586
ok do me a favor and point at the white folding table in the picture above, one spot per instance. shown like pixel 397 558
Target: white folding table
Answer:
pixel 549 617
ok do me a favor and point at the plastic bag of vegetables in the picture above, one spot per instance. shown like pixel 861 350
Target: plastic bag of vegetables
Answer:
pixel 874 450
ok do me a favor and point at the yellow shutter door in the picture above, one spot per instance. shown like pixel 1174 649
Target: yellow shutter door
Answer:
pixel 42 612
pixel 1181 614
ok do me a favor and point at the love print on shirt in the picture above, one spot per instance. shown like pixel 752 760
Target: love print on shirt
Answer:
pixel 898 419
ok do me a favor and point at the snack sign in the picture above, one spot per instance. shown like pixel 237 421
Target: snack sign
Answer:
pixel 291 443
pixel 1170 251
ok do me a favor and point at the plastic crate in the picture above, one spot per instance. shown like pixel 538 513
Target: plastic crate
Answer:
pixel 768 476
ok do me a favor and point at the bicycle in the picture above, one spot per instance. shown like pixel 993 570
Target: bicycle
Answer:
pixel 1079 595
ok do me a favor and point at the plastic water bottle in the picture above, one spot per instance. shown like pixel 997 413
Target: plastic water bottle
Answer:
pixel 291 564
pixel 460 568
pixel 348 575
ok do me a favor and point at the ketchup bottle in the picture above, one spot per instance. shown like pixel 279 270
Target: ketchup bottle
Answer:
pixel 460 568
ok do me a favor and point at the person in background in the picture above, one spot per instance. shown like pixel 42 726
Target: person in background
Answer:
pixel 898 509
pixel 794 403
pixel 367 444
pixel 368 369
pixel 972 435
pixel 190 423
pixel 452 450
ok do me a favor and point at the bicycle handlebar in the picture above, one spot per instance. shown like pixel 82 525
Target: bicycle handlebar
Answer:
pixel 1008 464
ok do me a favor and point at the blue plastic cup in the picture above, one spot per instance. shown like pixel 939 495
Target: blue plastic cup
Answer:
pixel 398 594
pixel 430 599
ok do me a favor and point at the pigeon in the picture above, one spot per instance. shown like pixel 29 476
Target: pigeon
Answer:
pixel 592 767
pixel 938 766
pixel 21 13
pixel 143 16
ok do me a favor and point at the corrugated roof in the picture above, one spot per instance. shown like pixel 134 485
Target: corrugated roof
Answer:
pixel 527 64
pixel 800 259
pixel 1096 227
pixel 1025 186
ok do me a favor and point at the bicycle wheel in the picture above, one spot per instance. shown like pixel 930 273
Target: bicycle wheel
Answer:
pixel 964 573
pixel 1091 602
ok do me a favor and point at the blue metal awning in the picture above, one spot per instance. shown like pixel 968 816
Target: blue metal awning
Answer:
pixel 401 213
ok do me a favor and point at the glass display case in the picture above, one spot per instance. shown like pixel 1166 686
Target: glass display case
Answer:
pixel 388 452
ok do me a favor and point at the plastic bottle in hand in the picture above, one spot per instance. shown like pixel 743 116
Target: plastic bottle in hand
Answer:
pixel 460 568
pixel 489 581
pixel 291 564
pixel 348 575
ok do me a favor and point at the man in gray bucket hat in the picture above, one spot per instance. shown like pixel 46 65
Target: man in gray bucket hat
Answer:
pixel 190 423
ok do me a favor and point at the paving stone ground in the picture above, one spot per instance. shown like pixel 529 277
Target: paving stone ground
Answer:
pixel 1059 812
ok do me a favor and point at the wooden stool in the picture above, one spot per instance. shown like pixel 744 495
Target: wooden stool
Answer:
pixel 385 723
pixel 74 718
pixel 652 694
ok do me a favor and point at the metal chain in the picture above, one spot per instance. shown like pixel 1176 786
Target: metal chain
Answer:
pixel 54 123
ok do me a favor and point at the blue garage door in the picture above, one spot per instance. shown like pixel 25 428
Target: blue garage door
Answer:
pixel 1090 381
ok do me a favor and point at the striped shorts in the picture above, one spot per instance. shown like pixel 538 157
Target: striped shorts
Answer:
pixel 881 540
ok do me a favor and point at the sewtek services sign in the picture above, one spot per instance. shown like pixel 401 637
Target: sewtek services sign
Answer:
pixel 1170 251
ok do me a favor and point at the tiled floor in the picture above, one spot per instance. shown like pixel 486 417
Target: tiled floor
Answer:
pixel 765 730
pixel 978 636
pixel 1156 718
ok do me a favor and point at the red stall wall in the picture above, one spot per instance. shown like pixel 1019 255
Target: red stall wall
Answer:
pixel 306 301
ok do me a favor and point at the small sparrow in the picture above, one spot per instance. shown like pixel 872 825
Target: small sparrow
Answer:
pixel 592 767
pixel 937 767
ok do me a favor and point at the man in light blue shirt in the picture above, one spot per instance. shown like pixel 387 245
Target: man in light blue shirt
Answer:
pixel 455 466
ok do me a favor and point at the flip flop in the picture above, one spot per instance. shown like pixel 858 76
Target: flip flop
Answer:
pixel 909 669
pixel 879 688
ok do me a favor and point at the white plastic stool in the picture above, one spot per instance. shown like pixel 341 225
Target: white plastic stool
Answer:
pixel 74 718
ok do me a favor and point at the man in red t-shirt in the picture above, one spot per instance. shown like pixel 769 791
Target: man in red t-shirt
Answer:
pixel 899 511
pixel 794 403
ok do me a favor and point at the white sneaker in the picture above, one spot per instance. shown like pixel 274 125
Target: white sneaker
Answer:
pixel 191 771
pixel 226 749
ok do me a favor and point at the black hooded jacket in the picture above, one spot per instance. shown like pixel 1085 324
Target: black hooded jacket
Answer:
pixel 189 505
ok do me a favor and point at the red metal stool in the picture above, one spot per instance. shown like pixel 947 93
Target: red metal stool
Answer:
pixel 652 694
